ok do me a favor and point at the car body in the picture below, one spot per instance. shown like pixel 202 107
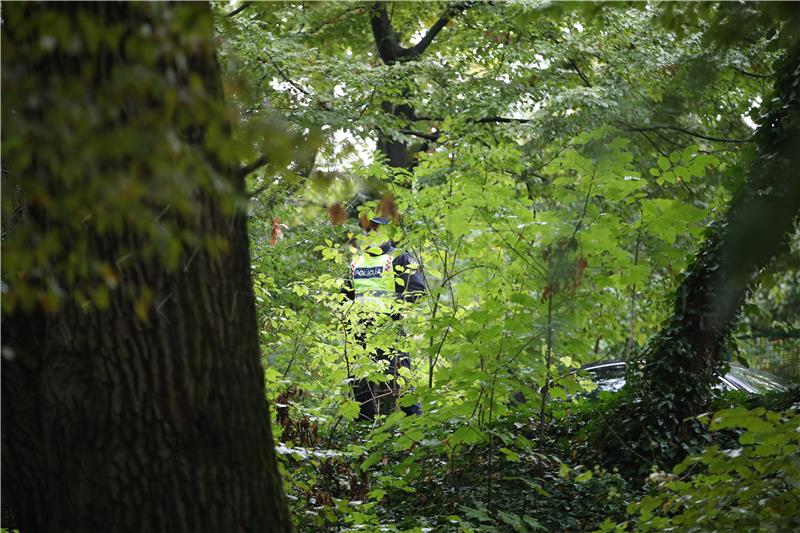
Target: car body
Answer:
pixel 610 376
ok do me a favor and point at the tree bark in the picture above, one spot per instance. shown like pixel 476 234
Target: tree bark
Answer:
pixel 401 154
pixel 683 359
pixel 133 416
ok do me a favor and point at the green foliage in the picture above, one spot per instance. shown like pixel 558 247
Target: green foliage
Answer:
pixel 60 167
pixel 566 160
pixel 431 484
pixel 753 486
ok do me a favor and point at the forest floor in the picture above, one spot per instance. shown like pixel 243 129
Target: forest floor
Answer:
pixel 580 478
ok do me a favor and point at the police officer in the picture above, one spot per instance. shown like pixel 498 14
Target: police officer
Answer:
pixel 380 275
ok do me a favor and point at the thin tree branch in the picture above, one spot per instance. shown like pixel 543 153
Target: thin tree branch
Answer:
pixel 290 81
pixel 687 132
pixel 575 67
pixel 652 142
pixel 251 167
pixel 753 74
pixel 332 20
pixel 304 171
pixel 366 106
pixel 667 139
pixel 484 120
pixel 242 7
pixel 500 120
pixel 434 30
pixel 433 137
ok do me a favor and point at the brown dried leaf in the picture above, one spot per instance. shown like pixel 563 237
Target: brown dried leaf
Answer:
pixel 580 266
pixel 337 214
pixel 277 232
pixel 388 208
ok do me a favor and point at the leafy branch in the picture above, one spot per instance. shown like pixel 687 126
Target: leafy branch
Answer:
pixel 685 131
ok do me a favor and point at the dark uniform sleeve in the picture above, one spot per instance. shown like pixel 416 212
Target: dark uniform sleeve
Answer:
pixel 407 268
pixel 347 288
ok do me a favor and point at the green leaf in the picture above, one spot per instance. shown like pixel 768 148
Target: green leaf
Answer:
pixel 465 435
pixel 510 455
pixel 532 522
pixel 377 494
pixel 372 460
pixel 350 409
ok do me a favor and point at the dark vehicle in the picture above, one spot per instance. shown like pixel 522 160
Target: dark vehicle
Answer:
pixel 610 376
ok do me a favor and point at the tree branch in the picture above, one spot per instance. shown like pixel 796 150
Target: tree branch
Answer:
pixel 252 167
pixel 500 120
pixel 433 137
pixel 434 30
pixel 332 20
pixel 303 170
pixel 753 74
pixel 388 42
pixel 242 7
pixel 385 38
pixel 291 82
pixel 484 120
pixel 687 132
pixel 652 142
pixel 575 67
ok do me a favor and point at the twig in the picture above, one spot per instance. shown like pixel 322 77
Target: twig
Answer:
pixel 581 74
pixel 753 74
pixel 688 132
pixel 251 167
pixel 291 82
pixel 242 7
pixel 297 341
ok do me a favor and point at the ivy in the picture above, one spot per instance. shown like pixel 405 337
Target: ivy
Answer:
pixel 752 486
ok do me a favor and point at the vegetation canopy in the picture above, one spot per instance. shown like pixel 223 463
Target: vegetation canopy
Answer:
pixel 191 188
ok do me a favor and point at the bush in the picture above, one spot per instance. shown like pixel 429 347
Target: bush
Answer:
pixel 752 487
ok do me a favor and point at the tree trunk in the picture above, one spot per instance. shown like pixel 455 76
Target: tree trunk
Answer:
pixel 401 154
pixel 398 153
pixel 146 412
pixel 682 360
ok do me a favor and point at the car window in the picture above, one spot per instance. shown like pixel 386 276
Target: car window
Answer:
pixel 610 377
pixel 758 381
pixel 725 384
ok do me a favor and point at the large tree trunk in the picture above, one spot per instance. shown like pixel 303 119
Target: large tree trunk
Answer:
pixel 146 412
pixel 682 360
pixel 400 153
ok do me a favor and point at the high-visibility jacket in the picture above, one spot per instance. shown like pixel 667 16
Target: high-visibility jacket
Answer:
pixel 374 281
pixel 409 283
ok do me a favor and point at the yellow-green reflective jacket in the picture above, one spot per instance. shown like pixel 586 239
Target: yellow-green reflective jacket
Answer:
pixel 373 281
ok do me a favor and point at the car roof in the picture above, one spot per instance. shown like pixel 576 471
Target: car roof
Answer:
pixel 738 377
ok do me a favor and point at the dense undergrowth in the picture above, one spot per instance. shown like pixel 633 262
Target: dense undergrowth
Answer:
pixel 581 477
pixel 553 172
